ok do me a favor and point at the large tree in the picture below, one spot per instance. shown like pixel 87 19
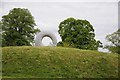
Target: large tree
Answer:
pixel 78 33
pixel 18 28
pixel 114 40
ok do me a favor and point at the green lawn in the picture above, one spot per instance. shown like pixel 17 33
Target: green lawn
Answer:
pixel 57 62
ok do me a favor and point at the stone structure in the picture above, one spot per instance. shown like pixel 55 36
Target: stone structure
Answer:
pixel 41 35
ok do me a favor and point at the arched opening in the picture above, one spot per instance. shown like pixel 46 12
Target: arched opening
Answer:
pixel 46 41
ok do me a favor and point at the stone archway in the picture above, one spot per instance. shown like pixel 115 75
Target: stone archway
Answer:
pixel 41 35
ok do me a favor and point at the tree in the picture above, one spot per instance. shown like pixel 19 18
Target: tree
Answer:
pixel 64 44
pixel 18 28
pixel 114 38
pixel 78 33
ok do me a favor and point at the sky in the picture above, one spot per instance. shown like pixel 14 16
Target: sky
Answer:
pixel 59 0
pixel 102 14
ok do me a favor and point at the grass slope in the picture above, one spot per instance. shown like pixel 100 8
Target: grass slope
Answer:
pixel 57 62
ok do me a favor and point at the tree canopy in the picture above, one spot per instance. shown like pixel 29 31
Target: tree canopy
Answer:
pixel 18 28
pixel 114 38
pixel 78 33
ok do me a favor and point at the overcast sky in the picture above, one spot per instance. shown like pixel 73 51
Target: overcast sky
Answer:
pixel 102 14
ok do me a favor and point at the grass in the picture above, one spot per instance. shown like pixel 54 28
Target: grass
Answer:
pixel 57 62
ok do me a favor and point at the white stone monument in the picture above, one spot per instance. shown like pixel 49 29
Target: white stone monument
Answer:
pixel 41 35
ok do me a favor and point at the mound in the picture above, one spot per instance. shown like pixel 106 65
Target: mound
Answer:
pixel 57 62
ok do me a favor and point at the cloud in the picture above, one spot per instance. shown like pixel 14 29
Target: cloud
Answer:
pixel 59 0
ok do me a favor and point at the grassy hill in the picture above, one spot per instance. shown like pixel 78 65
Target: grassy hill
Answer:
pixel 57 62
